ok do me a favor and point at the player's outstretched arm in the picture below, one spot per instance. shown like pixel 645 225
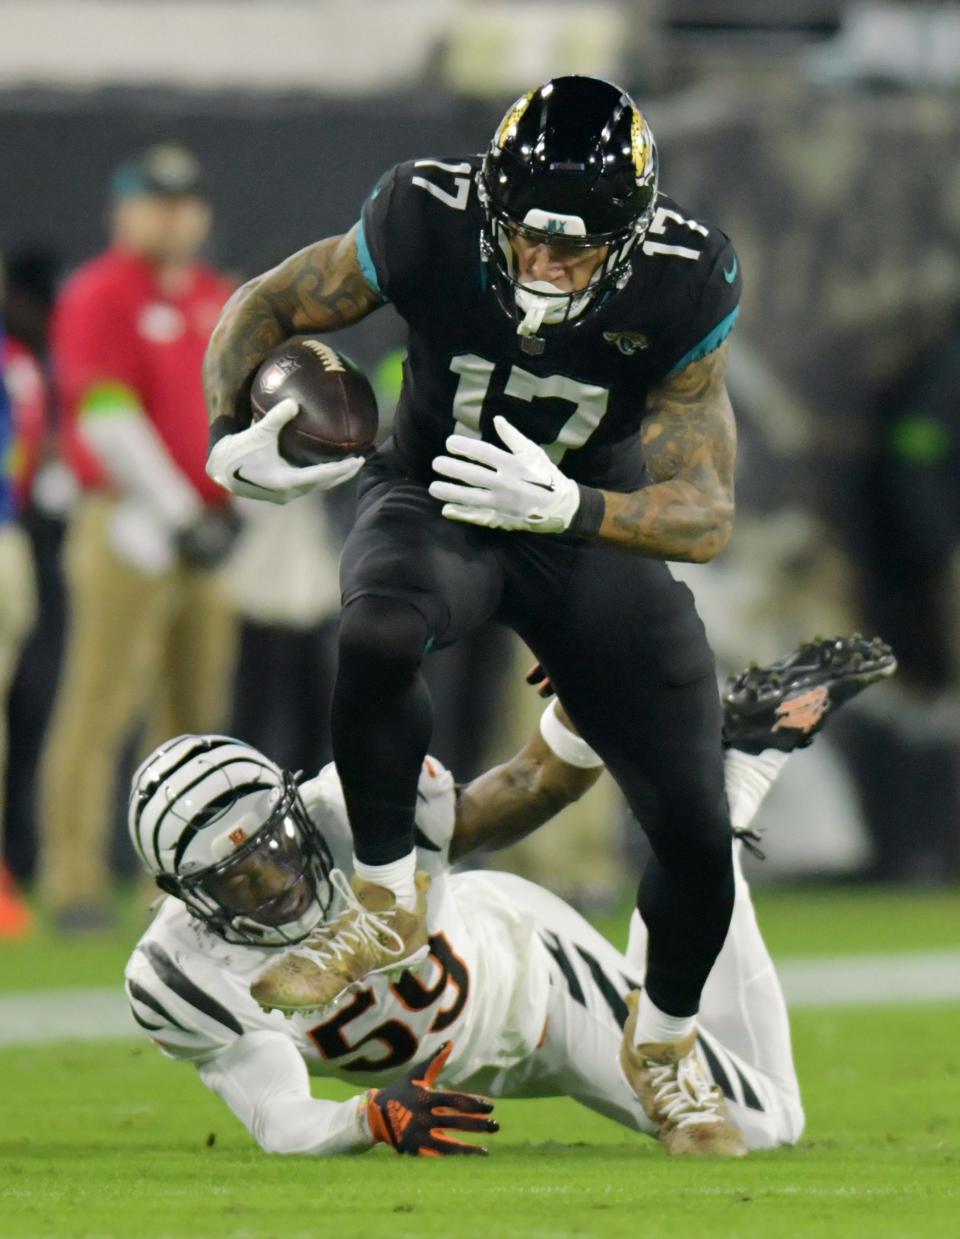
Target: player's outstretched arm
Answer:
pixel 263 1079
pixel 320 288
pixel 690 447
pixel 510 801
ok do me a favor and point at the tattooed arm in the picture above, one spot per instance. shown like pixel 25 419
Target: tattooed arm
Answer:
pixel 689 444
pixel 510 801
pixel 320 288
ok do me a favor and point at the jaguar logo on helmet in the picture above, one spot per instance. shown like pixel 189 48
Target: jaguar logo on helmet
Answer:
pixel 508 126
pixel 641 145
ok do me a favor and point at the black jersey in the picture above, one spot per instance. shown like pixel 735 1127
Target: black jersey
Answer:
pixel 584 396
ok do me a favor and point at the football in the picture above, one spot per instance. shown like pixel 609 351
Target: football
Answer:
pixel 338 410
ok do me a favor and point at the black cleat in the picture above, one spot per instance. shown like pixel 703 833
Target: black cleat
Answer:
pixel 783 706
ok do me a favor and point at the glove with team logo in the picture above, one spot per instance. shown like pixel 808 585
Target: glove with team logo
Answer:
pixel 517 489
pixel 414 1117
pixel 249 463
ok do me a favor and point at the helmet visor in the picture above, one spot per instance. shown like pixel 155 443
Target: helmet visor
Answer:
pixel 561 247
pixel 271 880
pixel 601 259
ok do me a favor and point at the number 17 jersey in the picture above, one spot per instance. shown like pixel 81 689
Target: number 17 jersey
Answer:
pixel 584 396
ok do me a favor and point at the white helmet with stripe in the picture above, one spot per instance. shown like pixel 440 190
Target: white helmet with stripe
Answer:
pixel 224 829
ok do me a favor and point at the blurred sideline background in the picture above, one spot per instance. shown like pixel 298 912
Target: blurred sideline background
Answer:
pixel 822 136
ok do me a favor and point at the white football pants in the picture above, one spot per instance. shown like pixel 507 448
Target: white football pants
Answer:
pixel 743 1031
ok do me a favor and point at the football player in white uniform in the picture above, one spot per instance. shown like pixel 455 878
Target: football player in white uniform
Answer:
pixel 517 996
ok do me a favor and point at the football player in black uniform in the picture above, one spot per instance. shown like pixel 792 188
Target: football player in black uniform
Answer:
pixel 564 429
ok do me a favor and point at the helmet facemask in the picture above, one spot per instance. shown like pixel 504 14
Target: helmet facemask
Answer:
pixel 573 165
pixel 271 890
pixel 540 303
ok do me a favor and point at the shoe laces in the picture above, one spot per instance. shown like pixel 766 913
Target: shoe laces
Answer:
pixel 751 840
pixel 355 927
pixel 682 1093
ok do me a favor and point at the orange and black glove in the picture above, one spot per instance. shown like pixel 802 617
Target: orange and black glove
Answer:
pixel 414 1117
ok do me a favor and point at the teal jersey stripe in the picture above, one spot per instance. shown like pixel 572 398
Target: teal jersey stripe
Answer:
pixel 709 342
pixel 366 261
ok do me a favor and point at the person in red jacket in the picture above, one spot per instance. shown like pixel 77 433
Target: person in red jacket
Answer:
pixel 149 627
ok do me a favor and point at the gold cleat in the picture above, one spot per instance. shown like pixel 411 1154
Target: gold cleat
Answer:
pixel 371 935
pixel 668 1079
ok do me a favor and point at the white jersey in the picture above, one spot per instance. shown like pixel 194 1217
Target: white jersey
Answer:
pixel 532 997
pixel 484 985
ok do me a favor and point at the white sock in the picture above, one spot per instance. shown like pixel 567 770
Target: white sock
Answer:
pixel 749 776
pixel 397 876
pixel 655 1025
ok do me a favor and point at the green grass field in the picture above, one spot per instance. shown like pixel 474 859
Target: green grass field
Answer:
pixel 795 922
pixel 103 1141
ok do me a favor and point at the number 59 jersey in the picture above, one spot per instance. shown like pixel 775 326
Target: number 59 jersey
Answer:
pixel 583 397
pixel 483 985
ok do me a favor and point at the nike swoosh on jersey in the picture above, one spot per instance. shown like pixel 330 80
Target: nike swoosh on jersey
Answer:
pixel 731 275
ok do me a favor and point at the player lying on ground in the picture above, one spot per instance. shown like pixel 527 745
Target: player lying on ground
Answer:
pixel 534 1001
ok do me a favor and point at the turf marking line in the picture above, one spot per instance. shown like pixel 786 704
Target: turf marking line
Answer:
pixel 46 1016
pixel 65 1015
pixel 871 980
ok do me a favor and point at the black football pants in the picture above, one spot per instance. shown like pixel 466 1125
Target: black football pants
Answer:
pixel 624 647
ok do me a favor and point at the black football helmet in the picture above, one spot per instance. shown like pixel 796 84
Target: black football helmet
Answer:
pixel 573 164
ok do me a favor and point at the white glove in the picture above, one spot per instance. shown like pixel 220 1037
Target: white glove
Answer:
pixel 518 489
pixel 141 538
pixel 249 463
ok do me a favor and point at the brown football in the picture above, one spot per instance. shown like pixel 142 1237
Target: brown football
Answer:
pixel 338 410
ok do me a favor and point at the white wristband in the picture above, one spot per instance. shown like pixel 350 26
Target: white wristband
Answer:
pixel 567 746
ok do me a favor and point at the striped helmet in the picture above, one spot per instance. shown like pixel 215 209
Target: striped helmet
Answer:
pixel 224 829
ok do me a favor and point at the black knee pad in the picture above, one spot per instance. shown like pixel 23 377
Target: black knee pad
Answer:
pixel 381 639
